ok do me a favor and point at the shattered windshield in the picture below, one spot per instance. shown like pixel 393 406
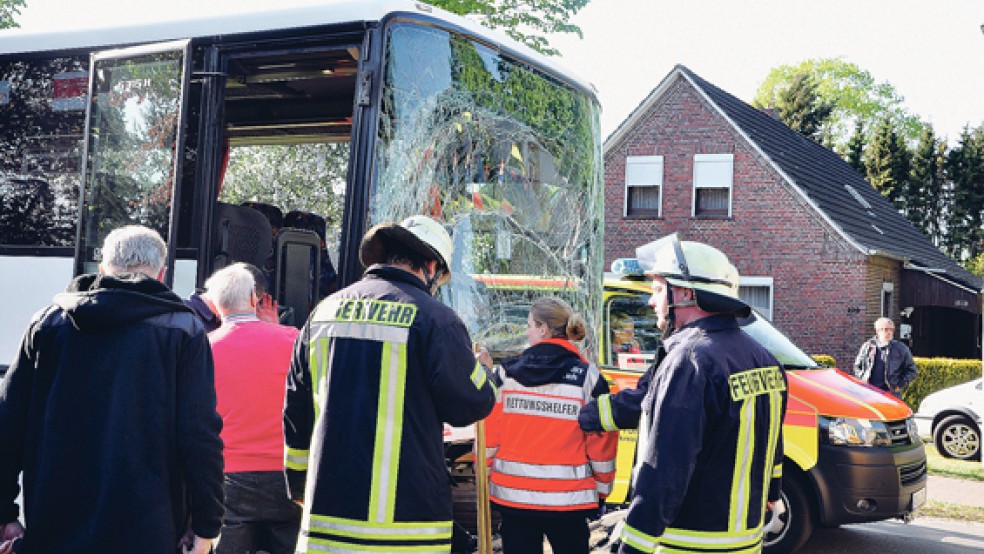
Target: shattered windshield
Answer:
pixel 508 159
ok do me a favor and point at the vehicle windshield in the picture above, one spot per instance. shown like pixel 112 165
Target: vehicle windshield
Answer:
pixel 781 347
pixel 507 158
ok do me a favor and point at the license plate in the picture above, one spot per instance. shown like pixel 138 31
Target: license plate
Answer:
pixel 918 499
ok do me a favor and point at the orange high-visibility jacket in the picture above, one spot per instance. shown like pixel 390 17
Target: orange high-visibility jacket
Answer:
pixel 538 456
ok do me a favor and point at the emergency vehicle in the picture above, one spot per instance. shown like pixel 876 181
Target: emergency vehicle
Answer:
pixel 852 453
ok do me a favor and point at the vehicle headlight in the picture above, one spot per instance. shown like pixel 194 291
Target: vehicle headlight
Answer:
pixel 845 431
pixel 913 430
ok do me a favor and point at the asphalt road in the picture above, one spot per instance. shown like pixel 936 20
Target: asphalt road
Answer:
pixel 923 535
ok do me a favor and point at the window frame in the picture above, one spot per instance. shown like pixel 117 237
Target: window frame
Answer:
pixel 888 288
pixel 699 160
pixel 762 282
pixel 642 212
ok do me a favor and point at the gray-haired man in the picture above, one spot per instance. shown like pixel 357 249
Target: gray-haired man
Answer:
pixel 109 412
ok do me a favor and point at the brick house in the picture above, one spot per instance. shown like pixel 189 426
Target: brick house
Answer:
pixel 821 253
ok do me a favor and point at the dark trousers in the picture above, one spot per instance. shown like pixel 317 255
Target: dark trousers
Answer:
pixel 567 533
pixel 259 515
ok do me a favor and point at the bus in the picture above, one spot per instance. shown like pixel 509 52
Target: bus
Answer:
pixel 277 138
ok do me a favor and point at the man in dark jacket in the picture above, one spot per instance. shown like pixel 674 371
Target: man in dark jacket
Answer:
pixel 884 362
pixel 109 412
pixel 377 368
pixel 710 444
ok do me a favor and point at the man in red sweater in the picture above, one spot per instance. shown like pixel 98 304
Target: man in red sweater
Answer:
pixel 252 358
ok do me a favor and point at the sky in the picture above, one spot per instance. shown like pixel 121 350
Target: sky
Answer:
pixel 931 51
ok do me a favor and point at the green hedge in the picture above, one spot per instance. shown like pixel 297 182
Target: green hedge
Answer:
pixel 934 374
pixel 937 374
pixel 824 360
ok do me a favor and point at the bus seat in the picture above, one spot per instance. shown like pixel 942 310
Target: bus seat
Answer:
pixel 240 234
pixel 272 213
pixel 298 219
pixel 298 260
pixel 276 218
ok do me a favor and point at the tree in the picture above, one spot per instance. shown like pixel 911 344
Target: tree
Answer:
pixel 800 108
pixel 855 148
pixel 965 172
pixel 887 163
pixel 8 10
pixel 853 92
pixel 522 20
pixel 926 199
pixel 975 265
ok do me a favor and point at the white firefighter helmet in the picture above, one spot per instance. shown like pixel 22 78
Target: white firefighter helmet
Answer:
pixel 419 233
pixel 697 266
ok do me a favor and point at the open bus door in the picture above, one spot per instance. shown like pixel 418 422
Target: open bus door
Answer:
pixel 134 122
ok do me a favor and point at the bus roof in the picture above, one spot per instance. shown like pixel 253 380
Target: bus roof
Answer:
pixel 327 12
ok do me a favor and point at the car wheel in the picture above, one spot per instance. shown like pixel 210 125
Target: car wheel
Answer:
pixel 958 437
pixel 797 522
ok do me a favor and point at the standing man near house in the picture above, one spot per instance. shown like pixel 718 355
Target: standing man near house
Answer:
pixel 884 362
pixel 377 369
pixel 252 358
pixel 109 412
pixel 710 446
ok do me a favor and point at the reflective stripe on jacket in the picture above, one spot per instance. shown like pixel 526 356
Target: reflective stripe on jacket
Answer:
pixel 710 446
pixel 539 457
pixel 376 371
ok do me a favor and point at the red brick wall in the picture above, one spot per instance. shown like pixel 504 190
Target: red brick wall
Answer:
pixel 818 278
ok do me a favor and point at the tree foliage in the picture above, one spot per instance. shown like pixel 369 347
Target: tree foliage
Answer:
pixel 9 9
pixel 853 92
pixel 887 164
pixel 801 108
pixel 527 21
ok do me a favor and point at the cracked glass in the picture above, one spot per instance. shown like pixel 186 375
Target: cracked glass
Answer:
pixel 507 158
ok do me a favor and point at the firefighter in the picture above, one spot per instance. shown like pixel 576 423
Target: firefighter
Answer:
pixel 376 370
pixel 710 447
pixel 548 476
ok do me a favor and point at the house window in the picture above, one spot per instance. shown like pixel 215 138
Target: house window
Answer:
pixel 713 179
pixel 643 186
pixel 757 293
pixel 888 290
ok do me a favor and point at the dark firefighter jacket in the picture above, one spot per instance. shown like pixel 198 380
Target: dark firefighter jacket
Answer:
pixel 377 368
pixel 710 444
pixel 611 412
pixel 109 410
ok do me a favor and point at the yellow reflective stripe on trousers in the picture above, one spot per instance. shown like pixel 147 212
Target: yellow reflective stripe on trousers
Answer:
pixel 605 413
pixel 741 479
pixel 373 534
pixel 394 530
pixel 665 549
pixel 389 432
pixel 637 539
pixel 710 541
pixel 296 459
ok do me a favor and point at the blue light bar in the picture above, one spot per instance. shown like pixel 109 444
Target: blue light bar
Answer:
pixel 627 267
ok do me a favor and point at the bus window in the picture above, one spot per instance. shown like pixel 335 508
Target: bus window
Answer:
pixel 42 108
pixel 504 156
pixel 133 135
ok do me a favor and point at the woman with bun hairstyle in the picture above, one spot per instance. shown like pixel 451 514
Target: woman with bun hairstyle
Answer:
pixel 547 477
